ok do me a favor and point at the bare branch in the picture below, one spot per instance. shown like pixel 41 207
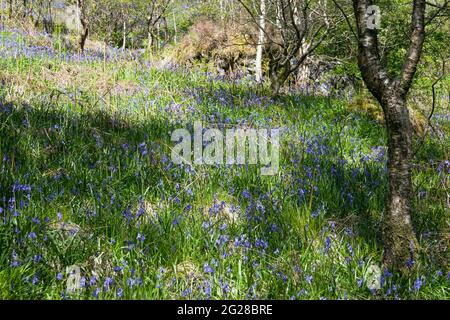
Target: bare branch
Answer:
pixel 415 47
pixel 347 19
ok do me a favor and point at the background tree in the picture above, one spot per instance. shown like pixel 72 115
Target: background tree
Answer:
pixel 84 22
pixel 259 48
pixel 154 11
pixel 293 30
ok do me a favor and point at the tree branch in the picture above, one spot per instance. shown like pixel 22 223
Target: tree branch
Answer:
pixel 417 37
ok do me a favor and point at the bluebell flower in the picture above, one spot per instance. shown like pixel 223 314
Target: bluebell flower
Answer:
pixel 207 289
pixel 207 268
pixel 186 292
pixel 107 283
pixel 141 237
pixel 21 187
pixel 350 249
pixel 83 282
pixel 92 281
pixel 223 239
pixel 327 245
pixel 130 282
pixel 143 149
pixel 360 282
pixel 205 225
pixel 224 285
pixel 260 207
pixel 410 263
pixel 261 244
pixel 15 259
pixel 315 213
pixel 418 283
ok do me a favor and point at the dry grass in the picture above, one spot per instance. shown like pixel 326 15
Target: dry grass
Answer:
pixel 210 42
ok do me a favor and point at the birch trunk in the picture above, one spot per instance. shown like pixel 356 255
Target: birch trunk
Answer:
pixel 399 240
pixel 259 48
pixel 400 243
pixel 124 40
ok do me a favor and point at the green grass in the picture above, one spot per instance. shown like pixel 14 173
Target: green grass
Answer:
pixel 97 158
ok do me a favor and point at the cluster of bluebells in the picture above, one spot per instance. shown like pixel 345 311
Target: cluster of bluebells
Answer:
pixel 317 160
pixel 13 45
pixel 225 98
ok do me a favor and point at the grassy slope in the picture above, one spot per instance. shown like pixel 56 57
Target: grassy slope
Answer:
pixel 86 180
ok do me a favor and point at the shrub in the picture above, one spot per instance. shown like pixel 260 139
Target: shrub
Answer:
pixel 225 47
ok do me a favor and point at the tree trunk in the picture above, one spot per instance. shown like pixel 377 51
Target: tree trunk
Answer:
pixel 175 32
pixel 10 11
pixel 150 41
pixel 275 84
pixel 222 11
pixel 304 71
pixel 24 14
pixel 149 36
pixel 259 48
pixel 124 40
pixel 166 30
pixel 84 24
pixel 48 20
pixel 84 36
pixel 279 15
pixel 279 73
pixel 400 243
pixel 158 32
pixel 278 76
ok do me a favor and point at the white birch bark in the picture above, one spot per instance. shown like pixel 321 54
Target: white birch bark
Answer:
pixel 259 48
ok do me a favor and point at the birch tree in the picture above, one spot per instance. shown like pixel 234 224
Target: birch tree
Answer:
pixel 400 243
pixel 155 11
pixel 259 48
pixel 289 24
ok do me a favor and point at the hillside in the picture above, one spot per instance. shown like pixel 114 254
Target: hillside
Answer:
pixel 87 183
